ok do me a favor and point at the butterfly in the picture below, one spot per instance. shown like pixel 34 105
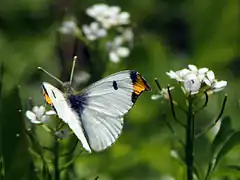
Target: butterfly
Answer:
pixel 96 114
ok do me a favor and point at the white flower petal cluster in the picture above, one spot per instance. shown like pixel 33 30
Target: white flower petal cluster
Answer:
pixel 193 79
pixel 108 19
pixel 39 115
pixel 94 31
pixel 108 16
pixel 119 47
pixel 117 50
pixel 68 27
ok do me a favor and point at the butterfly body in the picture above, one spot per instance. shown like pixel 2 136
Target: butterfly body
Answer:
pixel 96 114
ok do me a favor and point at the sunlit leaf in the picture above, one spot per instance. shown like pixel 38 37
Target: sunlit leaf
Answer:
pixel 222 135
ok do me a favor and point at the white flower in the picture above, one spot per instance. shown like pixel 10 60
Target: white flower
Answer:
pixel 39 115
pixel 94 31
pixel 62 134
pixel 97 10
pixel 68 27
pixel 163 94
pixel 193 79
pixel 117 51
pixel 192 83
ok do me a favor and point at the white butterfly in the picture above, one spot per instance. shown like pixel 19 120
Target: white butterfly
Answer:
pixel 96 114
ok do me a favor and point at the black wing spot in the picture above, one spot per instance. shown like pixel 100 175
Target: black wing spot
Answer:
pixel 53 94
pixel 133 76
pixel 115 85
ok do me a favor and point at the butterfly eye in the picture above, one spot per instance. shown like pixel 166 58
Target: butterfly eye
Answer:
pixel 53 94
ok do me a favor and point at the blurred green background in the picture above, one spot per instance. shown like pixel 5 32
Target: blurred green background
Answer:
pixel 169 34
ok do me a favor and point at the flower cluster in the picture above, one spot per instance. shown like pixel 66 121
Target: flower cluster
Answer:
pixel 110 19
pixel 194 80
pixel 108 16
pixel 39 115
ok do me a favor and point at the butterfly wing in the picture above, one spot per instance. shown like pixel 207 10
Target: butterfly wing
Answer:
pixel 56 99
pixel 105 103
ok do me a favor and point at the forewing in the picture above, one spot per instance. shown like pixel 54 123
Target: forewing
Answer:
pixel 56 99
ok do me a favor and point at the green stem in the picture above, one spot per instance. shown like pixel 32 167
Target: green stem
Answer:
pixel 189 140
pixel 56 159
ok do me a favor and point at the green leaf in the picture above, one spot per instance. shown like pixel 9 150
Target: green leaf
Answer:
pixel 231 143
pixel 220 139
pixel 234 167
pixel 223 134
pixel 2 170
pixel 14 144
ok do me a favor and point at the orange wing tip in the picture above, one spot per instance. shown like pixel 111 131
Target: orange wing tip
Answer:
pixel 139 85
pixel 46 97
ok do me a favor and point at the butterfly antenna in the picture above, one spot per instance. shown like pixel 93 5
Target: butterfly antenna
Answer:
pixel 73 67
pixel 52 76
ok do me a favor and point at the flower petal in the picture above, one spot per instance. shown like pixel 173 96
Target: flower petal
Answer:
pixel 97 10
pixel 118 41
pixel 172 74
pixel 219 86
pixel 41 111
pixel 192 83
pixel 30 115
pixel 94 26
pixel 122 51
pixel 114 57
pixel 123 18
pixel 210 75
pixel 183 72
pixel 101 33
pixel 50 112
pixel 35 109
pixel 156 96
pixel 86 29
pixel 128 35
pixel 192 67
pixel 202 70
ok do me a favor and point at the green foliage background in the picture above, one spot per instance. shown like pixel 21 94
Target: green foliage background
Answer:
pixel 168 35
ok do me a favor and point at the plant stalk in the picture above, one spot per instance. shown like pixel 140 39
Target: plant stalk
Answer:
pixel 189 140
pixel 56 160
